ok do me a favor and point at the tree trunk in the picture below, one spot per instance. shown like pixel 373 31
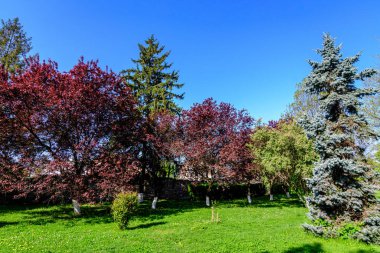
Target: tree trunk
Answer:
pixel 141 190
pixel 208 194
pixel 249 194
pixel 287 194
pixel 154 203
pixel 76 206
pixel 207 200
pixel 270 191
pixel 140 197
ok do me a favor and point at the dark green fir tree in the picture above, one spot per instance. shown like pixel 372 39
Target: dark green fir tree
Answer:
pixel 152 81
pixel 14 45
pixel 342 199
pixel 154 85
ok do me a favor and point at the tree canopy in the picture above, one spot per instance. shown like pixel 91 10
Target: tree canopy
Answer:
pixel 284 154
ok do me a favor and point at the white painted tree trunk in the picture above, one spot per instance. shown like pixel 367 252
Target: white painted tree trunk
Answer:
pixel 207 200
pixel 140 197
pixel 249 198
pixel 271 197
pixel 154 203
pixel 287 194
pixel 76 206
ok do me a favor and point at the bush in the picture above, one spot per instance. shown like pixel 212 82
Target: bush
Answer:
pixel 123 208
pixel 349 230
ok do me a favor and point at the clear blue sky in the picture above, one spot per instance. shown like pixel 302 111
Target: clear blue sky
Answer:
pixel 249 53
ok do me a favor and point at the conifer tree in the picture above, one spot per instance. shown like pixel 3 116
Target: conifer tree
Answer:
pixel 14 45
pixel 153 84
pixel 152 81
pixel 342 192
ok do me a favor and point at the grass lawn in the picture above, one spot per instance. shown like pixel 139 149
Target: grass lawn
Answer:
pixel 174 227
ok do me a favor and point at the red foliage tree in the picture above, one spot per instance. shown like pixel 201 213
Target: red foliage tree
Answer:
pixel 212 143
pixel 65 123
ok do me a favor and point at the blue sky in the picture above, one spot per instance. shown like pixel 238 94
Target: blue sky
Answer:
pixel 250 53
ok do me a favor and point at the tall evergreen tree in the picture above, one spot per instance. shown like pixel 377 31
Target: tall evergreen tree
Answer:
pixel 14 45
pixel 342 191
pixel 153 83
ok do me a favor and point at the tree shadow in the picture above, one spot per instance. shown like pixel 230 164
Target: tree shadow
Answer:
pixel 100 213
pixel 7 223
pixel 92 214
pixel 43 215
pixel 363 251
pixel 264 202
pixel 146 225
pixel 165 208
pixel 306 248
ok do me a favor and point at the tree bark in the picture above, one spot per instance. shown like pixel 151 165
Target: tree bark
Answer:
pixel 76 207
pixel 154 203
pixel 208 194
pixel 207 200
pixel 140 197
pixel 249 194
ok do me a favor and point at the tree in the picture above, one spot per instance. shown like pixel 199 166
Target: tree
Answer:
pixel 372 103
pixel 212 143
pixel 152 83
pixel 63 124
pixel 14 45
pixel 341 184
pixel 284 155
pixel 303 103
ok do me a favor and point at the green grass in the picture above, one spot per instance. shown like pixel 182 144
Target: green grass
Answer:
pixel 174 227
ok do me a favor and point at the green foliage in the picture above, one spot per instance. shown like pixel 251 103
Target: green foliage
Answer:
pixel 152 81
pixel 123 208
pixel 322 223
pixel 14 45
pixel 284 154
pixel 349 230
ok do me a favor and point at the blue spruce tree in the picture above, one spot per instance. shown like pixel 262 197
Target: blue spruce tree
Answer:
pixel 342 199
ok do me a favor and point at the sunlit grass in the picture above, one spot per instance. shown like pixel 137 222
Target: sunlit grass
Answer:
pixel 182 226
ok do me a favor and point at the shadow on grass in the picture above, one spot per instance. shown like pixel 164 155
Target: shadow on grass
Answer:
pixel 146 225
pixel 7 223
pixel 100 213
pixel 264 202
pixel 43 215
pixel 306 248
pixel 165 208
pixel 316 248
pixel 92 214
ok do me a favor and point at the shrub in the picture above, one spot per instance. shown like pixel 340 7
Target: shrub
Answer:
pixel 123 208
pixel 349 230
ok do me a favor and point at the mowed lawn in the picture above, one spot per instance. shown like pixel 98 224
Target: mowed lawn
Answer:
pixel 182 226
